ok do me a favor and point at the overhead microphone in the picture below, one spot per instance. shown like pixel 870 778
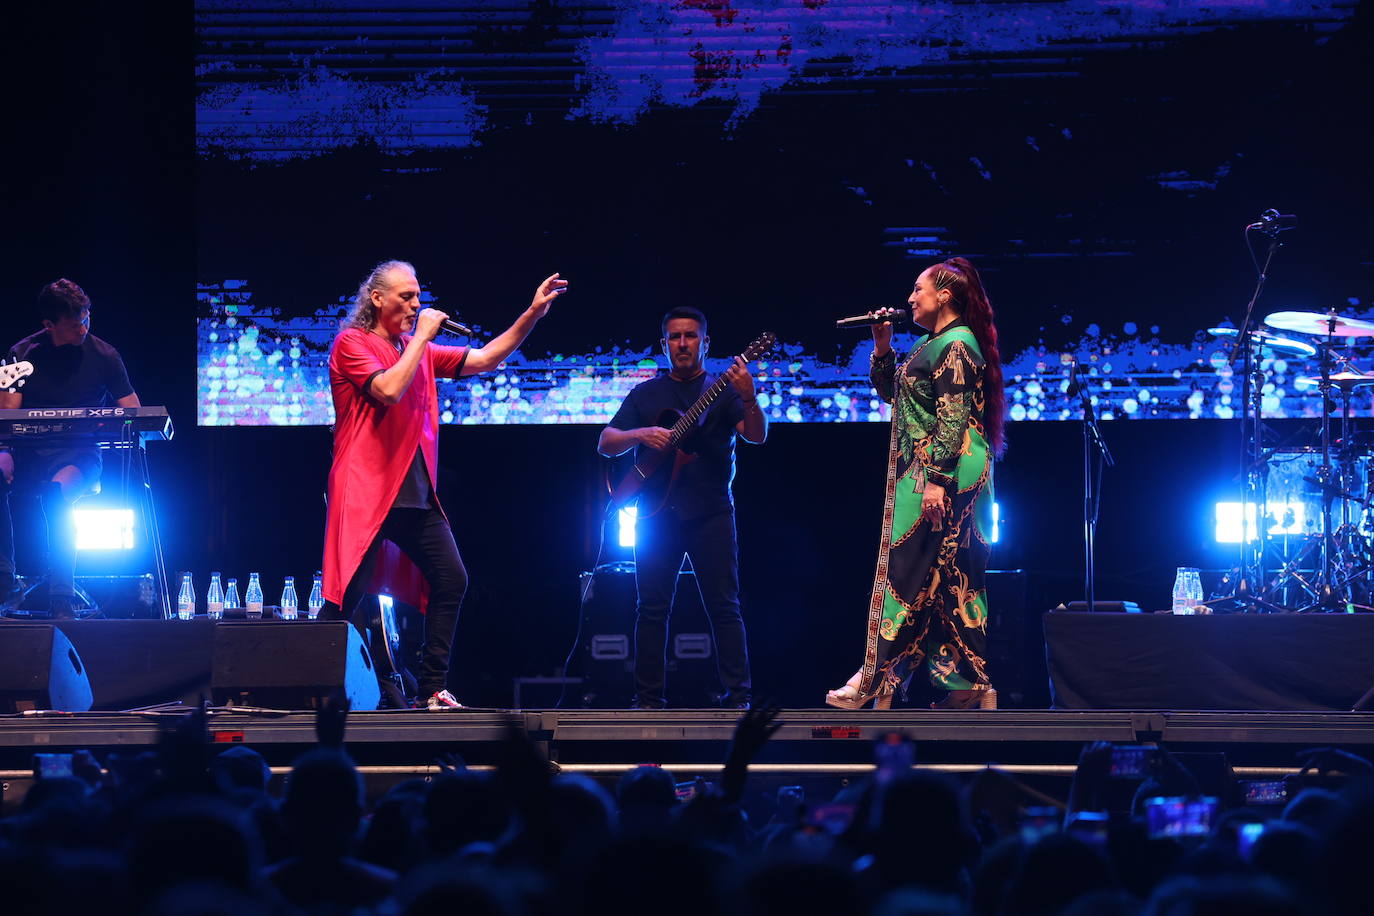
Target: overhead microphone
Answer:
pixel 1075 384
pixel 1271 222
pixel 868 319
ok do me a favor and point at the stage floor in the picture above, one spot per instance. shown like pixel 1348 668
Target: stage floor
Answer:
pixel 819 739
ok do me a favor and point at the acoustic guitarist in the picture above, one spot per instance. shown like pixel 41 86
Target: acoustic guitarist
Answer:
pixel 698 516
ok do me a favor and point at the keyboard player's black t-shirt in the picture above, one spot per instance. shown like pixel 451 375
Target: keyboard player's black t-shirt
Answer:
pixel 89 374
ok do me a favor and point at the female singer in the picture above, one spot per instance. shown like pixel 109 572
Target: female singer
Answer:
pixel 928 605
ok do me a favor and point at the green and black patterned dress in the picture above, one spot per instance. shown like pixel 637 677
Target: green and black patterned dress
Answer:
pixel 929 604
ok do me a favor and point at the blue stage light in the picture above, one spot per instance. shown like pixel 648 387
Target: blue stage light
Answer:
pixel 626 519
pixel 996 533
pixel 104 529
pixel 1290 518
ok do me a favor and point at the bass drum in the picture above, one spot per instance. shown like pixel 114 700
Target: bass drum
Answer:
pixel 1294 493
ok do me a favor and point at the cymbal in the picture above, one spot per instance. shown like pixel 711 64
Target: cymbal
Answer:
pixel 1319 324
pixel 1272 342
pixel 1342 380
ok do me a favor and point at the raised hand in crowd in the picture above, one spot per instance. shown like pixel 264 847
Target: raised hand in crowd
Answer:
pixel 752 732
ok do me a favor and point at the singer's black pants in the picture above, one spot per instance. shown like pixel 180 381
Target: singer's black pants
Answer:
pixel 424 536
pixel 709 542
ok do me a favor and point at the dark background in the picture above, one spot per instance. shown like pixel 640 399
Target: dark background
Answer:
pixel 103 188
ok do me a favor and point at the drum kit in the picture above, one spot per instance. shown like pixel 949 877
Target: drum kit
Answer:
pixel 1314 504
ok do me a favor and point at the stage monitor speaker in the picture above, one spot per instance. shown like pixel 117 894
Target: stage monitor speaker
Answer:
pixel 1101 607
pixel 1010 641
pixel 291 664
pixel 605 654
pixel 41 670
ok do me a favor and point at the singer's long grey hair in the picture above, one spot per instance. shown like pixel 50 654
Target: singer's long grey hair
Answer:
pixel 364 313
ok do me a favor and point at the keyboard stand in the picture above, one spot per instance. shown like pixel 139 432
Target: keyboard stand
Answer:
pixel 136 449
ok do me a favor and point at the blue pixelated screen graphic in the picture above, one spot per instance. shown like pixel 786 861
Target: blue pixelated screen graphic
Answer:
pixel 779 164
pixel 257 369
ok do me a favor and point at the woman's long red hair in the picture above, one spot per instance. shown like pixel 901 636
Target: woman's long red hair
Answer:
pixel 967 288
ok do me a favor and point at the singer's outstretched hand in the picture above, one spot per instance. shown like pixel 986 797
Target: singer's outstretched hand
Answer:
pixel 428 323
pixel 549 290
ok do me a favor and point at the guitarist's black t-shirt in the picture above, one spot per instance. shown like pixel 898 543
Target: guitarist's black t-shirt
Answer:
pixel 703 488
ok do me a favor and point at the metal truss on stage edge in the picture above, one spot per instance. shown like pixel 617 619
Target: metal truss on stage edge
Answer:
pixel 808 741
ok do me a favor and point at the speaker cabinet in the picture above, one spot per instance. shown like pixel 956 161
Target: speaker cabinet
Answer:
pixel 294 664
pixel 41 670
pixel 1013 640
pixel 605 652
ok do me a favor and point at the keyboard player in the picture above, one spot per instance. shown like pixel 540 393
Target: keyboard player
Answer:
pixel 71 368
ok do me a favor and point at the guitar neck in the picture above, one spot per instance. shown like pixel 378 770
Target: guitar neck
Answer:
pixel 689 419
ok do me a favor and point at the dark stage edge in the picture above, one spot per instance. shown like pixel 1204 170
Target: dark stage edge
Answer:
pixel 806 736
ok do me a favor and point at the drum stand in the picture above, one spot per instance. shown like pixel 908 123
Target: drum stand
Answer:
pixel 1334 592
pixel 1342 555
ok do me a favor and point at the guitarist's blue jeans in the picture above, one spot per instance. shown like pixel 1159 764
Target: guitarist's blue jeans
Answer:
pixel 660 543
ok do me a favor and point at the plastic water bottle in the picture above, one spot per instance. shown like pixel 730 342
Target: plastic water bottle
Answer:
pixel 289 603
pixel 1182 592
pixel 214 598
pixel 186 599
pixel 1194 587
pixel 252 599
pixel 316 600
pixel 231 596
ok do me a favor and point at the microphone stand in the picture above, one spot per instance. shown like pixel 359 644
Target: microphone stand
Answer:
pixel 1252 455
pixel 1092 490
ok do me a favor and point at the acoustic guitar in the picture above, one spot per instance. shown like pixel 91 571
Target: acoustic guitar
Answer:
pixel 651 479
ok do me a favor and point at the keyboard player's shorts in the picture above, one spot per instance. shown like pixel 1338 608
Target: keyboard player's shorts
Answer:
pixel 34 467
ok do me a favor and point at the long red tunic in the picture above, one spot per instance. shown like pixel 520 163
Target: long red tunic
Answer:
pixel 374 444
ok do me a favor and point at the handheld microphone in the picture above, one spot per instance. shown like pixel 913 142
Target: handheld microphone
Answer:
pixel 877 316
pixel 1271 222
pixel 1075 384
pixel 454 327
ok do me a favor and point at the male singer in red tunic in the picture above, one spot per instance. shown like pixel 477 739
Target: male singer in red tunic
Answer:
pixel 382 482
